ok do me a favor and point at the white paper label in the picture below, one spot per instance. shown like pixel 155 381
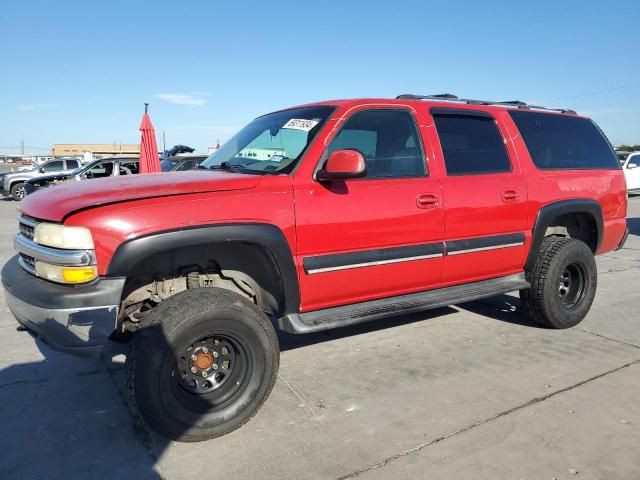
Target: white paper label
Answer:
pixel 300 124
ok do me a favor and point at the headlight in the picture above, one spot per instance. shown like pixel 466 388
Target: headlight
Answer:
pixel 60 236
pixel 65 274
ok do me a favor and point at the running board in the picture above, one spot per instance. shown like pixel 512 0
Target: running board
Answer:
pixel 415 302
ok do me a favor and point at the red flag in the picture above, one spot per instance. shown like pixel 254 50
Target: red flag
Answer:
pixel 149 161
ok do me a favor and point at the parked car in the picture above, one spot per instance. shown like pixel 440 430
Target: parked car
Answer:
pixel 631 169
pixel 106 167
pixel 13 183
pixel 622 156
pixel 349 211
pixel 181 163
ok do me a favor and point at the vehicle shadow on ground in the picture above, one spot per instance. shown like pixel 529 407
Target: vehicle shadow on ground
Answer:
pixel 62 418
pixel 634 225
pixel 505 308
pixel 68 417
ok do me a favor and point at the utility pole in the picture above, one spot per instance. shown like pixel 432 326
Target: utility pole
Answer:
pixel 22 147
pixel 164 144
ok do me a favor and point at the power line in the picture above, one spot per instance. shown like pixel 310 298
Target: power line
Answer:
pixel 597 92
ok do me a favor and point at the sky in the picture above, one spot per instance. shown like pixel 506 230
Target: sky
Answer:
pixel 80 71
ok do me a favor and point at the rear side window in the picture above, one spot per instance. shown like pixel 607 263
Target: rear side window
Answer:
pixel 471 145
pixel 53 166
pixel 564 142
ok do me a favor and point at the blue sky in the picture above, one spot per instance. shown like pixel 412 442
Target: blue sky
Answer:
pixel 80 71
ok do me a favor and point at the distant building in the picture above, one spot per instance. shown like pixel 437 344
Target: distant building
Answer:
pixel 92 151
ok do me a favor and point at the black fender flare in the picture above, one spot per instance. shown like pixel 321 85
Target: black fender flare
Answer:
pixel 548 213
pixel 264 235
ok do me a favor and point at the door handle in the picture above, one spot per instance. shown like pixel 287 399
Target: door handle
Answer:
pixel 510 196
pixel 427 200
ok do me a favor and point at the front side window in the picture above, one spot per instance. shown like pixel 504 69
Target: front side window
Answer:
pixel 104 169
pixel 273 143
pixel 387 139
pixel 471 145
pixel 53 166
pixel 72 164
pixel 563 142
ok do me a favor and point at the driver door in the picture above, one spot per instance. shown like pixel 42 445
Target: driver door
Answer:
pixel 376 236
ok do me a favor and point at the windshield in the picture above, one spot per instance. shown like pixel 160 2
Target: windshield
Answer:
pixel 272 143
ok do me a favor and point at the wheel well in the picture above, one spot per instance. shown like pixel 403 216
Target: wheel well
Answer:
pixel 247 269
pixel 578 225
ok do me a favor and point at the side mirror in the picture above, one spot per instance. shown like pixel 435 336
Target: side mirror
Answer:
pixel 342 164
pixel 41 169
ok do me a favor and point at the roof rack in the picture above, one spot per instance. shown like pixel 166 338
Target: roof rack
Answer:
pixel 447 97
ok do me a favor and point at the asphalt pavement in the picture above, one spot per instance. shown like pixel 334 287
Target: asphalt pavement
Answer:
pixel 473 391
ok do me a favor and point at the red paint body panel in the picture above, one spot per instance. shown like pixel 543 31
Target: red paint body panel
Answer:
pixel 56 203
pixel 353 215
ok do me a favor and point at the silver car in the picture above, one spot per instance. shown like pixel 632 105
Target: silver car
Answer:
pixel 13 183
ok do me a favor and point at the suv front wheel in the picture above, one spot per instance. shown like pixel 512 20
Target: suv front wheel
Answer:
pixel 204 364
pixel 563 283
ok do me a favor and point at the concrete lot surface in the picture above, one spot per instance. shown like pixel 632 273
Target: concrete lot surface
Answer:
pixel 473 391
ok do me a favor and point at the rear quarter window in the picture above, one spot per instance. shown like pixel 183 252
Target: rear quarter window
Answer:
pixel 562 142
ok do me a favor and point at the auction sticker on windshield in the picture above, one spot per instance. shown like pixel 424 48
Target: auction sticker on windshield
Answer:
pixel 300 124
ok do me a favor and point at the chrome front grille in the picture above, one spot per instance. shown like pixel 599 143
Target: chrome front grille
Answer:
pixel 27 226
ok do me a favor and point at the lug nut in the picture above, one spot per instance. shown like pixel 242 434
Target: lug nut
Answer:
pixel 193 370
pixel 205 349
pixel 194 358
pixel 204 374
pixel 214 366
pixel 215 354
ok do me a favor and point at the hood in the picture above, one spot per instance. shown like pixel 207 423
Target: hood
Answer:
pixel 57 202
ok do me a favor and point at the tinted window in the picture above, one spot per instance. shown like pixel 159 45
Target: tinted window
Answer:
pixel 53 166
pixel 564 142
pixel 72 164
pixel 388 141
pixel 471 145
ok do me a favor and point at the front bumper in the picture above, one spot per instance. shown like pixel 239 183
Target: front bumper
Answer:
pixel 72 319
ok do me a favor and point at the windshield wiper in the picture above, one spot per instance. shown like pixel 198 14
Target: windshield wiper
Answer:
pixel 227 166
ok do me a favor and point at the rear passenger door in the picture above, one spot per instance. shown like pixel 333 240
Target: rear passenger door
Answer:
pixel 484 195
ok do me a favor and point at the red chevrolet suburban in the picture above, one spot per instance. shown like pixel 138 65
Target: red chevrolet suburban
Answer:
pixel 311 218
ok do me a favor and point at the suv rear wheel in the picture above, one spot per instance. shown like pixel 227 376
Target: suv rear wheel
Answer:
pixel 563 283
pixel 17 191
pixel 203 366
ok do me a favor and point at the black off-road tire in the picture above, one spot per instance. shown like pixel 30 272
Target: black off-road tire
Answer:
pixel 17 191
pixel 563 283
pixel 158 368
